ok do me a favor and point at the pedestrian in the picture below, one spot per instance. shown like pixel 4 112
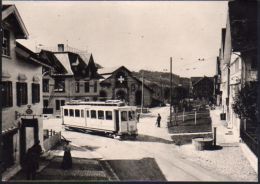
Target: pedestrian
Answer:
pixel 138 117
pixel 37 150
pixel 30 161
pixel 158 121
pixel 67 160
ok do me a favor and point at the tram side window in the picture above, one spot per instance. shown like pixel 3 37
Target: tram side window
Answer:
pixel 77 113
pixel 109 115
pixel 93 114
pixel 124 116
pixel 101 115
pixel 131 115
pixel 66 112
pixel 71 112
pixel 82 113
pixel 87 114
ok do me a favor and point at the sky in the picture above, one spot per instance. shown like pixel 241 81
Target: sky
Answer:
pixel 138 35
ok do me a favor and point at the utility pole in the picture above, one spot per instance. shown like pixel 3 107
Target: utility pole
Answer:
pixel 142 102
pixel 171 91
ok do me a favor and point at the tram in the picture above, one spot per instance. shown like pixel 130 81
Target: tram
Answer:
pixel 112 117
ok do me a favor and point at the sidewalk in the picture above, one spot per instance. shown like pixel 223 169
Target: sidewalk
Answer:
pixel 86 165
pixel 228 159
pixel 224 134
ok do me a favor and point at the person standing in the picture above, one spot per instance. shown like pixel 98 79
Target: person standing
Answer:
pixel 37 150
pixel 67 159
pixel 30 161
pixel 138 117
pixel 158 122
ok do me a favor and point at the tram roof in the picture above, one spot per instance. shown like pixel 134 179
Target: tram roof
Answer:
pixel 106 103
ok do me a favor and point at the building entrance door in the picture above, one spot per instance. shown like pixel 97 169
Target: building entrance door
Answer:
pixel 27 123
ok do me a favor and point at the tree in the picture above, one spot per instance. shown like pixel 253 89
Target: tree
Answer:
pixel 245 103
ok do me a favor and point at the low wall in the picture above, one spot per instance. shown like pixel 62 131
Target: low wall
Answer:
pixel 181 139
pixel 52 141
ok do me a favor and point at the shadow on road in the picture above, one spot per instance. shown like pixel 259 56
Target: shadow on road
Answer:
pixel 145 169
pixel 148 138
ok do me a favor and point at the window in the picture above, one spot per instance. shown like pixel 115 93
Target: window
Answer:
pixel 77 87
pixel 7 94
pixel 101 115
pixel 59 103
pixel 66 112
pixel 22 96
pixel 95 86
pixel 6 43
pixel 82 113
pixel 62 102
pixel 123 116
pixel 45 103
pixel 45 85
pixel 86 87
pixel 59 85
pixel 35 93
pixel 87 114
pixel 71 112
pixel 77 113
pixel 109 115
pixel 93 114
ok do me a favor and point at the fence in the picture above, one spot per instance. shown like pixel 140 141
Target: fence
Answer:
pixel 51 138
pixel 187 116
pixel 248 135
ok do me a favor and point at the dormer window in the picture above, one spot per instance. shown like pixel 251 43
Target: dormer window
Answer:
pixel 6 43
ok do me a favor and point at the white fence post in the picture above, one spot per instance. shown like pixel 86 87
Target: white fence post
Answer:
pixel 195 117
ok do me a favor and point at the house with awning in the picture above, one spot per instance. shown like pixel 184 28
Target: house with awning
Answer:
pixel 74 77
pixel 21 96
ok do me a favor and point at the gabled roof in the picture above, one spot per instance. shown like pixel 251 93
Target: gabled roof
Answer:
pixel 202 78
pixel 30 56
pixel 10 13
pixel 110 71
pixel 63 58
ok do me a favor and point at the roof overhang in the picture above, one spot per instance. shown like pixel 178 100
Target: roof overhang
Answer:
pixel 11 10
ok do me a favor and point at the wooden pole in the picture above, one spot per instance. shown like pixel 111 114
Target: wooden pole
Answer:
pixel 171 91
pixel 142 103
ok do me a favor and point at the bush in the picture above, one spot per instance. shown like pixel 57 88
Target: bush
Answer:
pixel 245 102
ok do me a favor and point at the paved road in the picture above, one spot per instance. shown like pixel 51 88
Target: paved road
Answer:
pixel 152 142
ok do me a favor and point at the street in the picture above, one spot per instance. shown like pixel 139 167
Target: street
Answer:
pixel 152 142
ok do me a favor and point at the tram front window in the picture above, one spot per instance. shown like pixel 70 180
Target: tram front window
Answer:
pixel 124 116
pixel 131 115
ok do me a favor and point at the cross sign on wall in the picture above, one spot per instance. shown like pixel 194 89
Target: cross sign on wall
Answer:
pixel 121 79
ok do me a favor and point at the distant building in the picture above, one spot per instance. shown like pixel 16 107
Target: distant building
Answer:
pixel 119 83
pixel 21 91
pixel 217 84
pixel 74 77
pixel 202 88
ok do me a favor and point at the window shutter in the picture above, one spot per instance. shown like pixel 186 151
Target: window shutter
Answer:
pixel 18 94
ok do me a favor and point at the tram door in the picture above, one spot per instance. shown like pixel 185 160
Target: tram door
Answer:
pixel 117 120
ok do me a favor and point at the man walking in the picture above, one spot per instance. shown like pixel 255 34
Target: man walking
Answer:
pixel 158 122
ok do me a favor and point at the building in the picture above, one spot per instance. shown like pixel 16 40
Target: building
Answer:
pixel 217 83
pixel 202 88
pixel 74 77
pixel 21 96
pixel 119 83
pixel 238 64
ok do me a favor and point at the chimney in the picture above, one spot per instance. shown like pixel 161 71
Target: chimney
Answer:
pixel 60 47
